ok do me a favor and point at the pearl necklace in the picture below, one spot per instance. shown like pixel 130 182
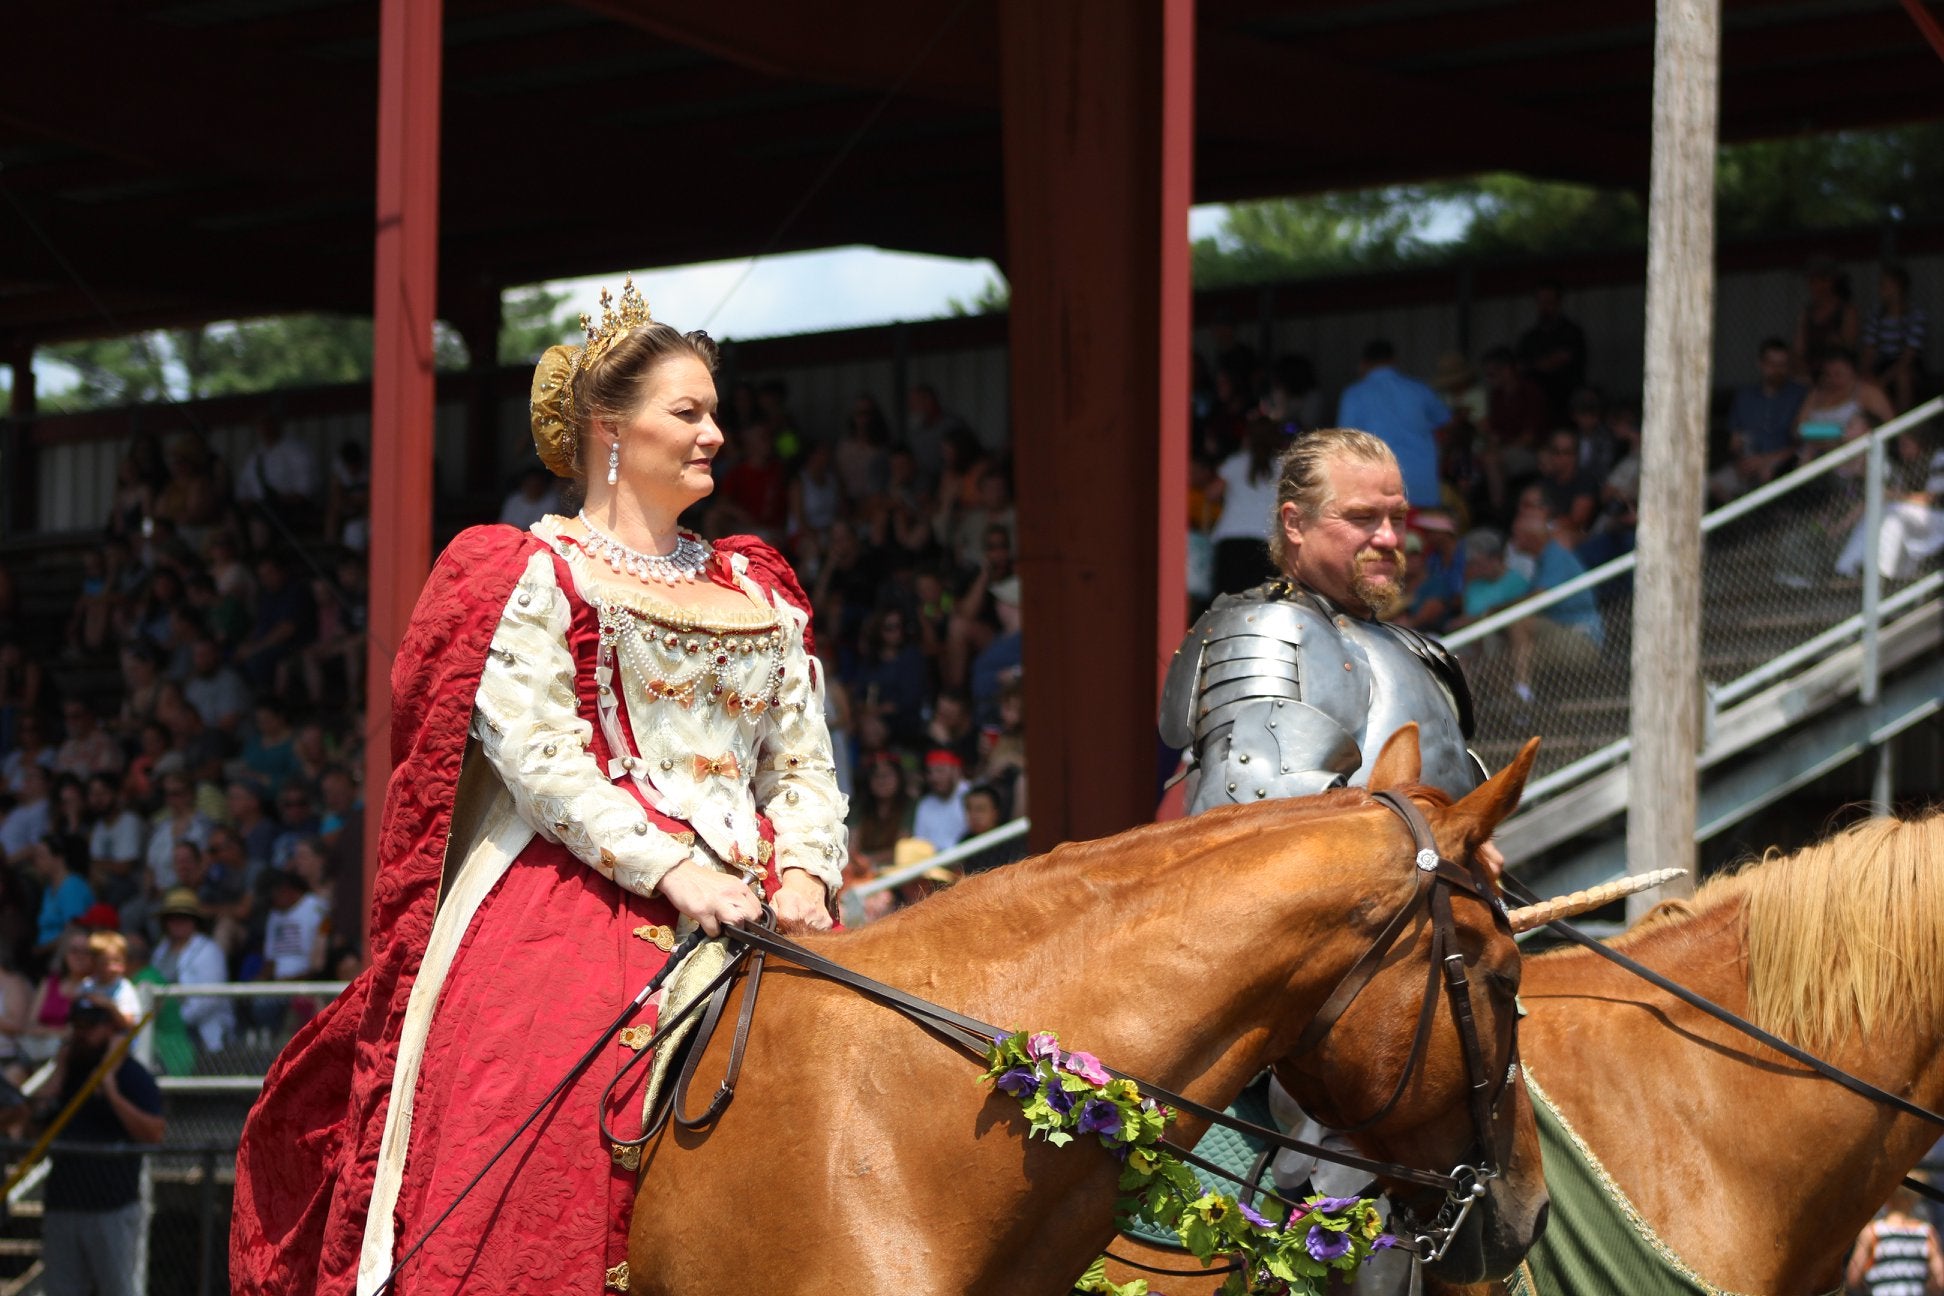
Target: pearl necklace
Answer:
pixel 691 555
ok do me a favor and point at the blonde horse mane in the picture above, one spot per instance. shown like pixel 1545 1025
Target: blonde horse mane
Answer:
pixel 1844 937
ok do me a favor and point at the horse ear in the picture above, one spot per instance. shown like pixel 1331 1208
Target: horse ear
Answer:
pixel 1491 803
pixel 1400 765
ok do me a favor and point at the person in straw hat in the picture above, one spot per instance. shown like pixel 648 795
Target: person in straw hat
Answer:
pixel 187 956
pixel 637 723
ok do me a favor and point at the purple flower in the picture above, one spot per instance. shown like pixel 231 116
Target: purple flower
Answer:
pixel 1019 1082
pixel 1057 1097
pixel 1087 1067
pixel 1326 1245
pixel 1043 1045
pixel 1249 1214
pixel 1100 1117
pixel 1331 1205
pixel 1384 1242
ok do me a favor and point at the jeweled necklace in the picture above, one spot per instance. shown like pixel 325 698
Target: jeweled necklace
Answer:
pixel 690 556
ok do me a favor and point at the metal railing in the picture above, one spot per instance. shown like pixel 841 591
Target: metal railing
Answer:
pixel 1773 602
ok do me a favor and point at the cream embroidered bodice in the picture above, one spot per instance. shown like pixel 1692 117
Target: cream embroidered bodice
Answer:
pixel 723 707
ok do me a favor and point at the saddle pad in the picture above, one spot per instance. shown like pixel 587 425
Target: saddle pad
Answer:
pixel 1233 1151
pixel 688 980
pixel 1596 1243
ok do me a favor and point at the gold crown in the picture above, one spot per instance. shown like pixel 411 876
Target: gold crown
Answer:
pixel 551 408
pixel 615 325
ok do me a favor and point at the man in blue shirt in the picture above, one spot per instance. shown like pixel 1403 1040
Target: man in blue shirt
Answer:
pixel 1761 426
pixel 1401 412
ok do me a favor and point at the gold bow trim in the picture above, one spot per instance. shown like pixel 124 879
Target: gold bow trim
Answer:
pixel 721 767
pixel 683 695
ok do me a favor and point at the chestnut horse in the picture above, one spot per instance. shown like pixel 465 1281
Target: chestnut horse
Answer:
pixel 1753 1170
pixel 862 1153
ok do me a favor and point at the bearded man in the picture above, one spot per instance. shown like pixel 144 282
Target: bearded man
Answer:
pixel 1293 687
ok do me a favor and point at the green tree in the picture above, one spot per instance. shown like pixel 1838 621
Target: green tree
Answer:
pixel 533 319
pixel 993 298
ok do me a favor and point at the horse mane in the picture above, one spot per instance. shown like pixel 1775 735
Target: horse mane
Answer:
pixel 1842 937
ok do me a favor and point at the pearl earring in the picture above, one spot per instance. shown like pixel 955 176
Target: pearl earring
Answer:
pixel 614 461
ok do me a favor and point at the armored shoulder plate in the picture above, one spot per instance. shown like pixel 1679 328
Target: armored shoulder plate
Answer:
pixel 1444 665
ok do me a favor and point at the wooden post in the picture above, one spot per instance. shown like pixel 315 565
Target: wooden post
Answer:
pixel 404 306
pixel 1097 105
pixel 1666 690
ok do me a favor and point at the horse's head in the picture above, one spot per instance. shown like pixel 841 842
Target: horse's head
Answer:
pixel 1401 1084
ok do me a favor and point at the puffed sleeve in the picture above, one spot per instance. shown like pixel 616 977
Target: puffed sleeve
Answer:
pixel 527 719
pixel 796 780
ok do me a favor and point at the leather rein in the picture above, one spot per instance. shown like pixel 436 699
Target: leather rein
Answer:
pixel 1435 879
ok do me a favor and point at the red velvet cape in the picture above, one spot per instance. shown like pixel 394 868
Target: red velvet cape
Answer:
pixel 308 1156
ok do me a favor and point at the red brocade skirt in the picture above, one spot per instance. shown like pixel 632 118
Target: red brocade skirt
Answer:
pixel 553 953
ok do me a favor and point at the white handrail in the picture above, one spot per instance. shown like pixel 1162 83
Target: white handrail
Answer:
pixel 965 850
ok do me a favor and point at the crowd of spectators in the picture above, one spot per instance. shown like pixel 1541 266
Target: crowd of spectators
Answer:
pixel 179 755
pixel 1522 476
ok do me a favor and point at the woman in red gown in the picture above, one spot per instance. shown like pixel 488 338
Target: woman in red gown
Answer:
pixel 604 729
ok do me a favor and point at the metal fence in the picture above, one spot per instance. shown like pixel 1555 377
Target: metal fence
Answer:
pixel 909 884
pixel 1788 578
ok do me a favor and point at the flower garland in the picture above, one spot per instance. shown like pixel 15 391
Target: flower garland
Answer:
pixel 1068 1094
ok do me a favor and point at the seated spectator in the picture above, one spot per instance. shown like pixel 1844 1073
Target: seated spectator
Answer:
pixel 141 690
pixel 535 496
pixel 21 683
pixel 1597 448
pixel 61 863
pixel 890 677
pixel 313 749
pixel 178 822
pixel 1553 350
pixel 1839 398
pixel 1828 319
pixel 187 956
pixel 89 748
pixel 285 620
pixel 247 816
pixel 881 815
pixel 344 612
pixel 1001 660
pixel 153 749
pixel 215 689
pixel 951 726
pixel 863 466
pixel 31 751
pixel 1913 515
pixel 940 816
pixel 1570 491
pixel 963 529
pixel 197 491
pixel 228 572
pixel 1569 634
pixel 1515 413
pixel 975 621
pixel 338 793
pixel 1897 1253
pixel 751 495
pixel 816 497
pixel 17 999
pixel 1761 426
pixel 91 622
pixel 1003 743
pixel 347 508
pixel 30 816
pixel 225 906
pixel 72 965
pixel 1894 340
pixel 269 755
pixel 1248 501
pixel 116 837
pixel 985 811
pixel 857 910
pixel 281 474
pixel 69 813
pixel 171 1038
pixel 295 932
pixel 108 977
pixel 1438 589
pixel 297 819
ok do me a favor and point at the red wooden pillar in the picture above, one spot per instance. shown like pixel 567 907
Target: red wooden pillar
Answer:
pixel 404 305
pixel 1097 98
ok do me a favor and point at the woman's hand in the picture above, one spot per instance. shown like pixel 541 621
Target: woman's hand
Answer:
pixel 801 903
pixel 715 900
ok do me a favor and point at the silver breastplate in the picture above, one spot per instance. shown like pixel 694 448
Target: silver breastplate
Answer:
pixel 1278 695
